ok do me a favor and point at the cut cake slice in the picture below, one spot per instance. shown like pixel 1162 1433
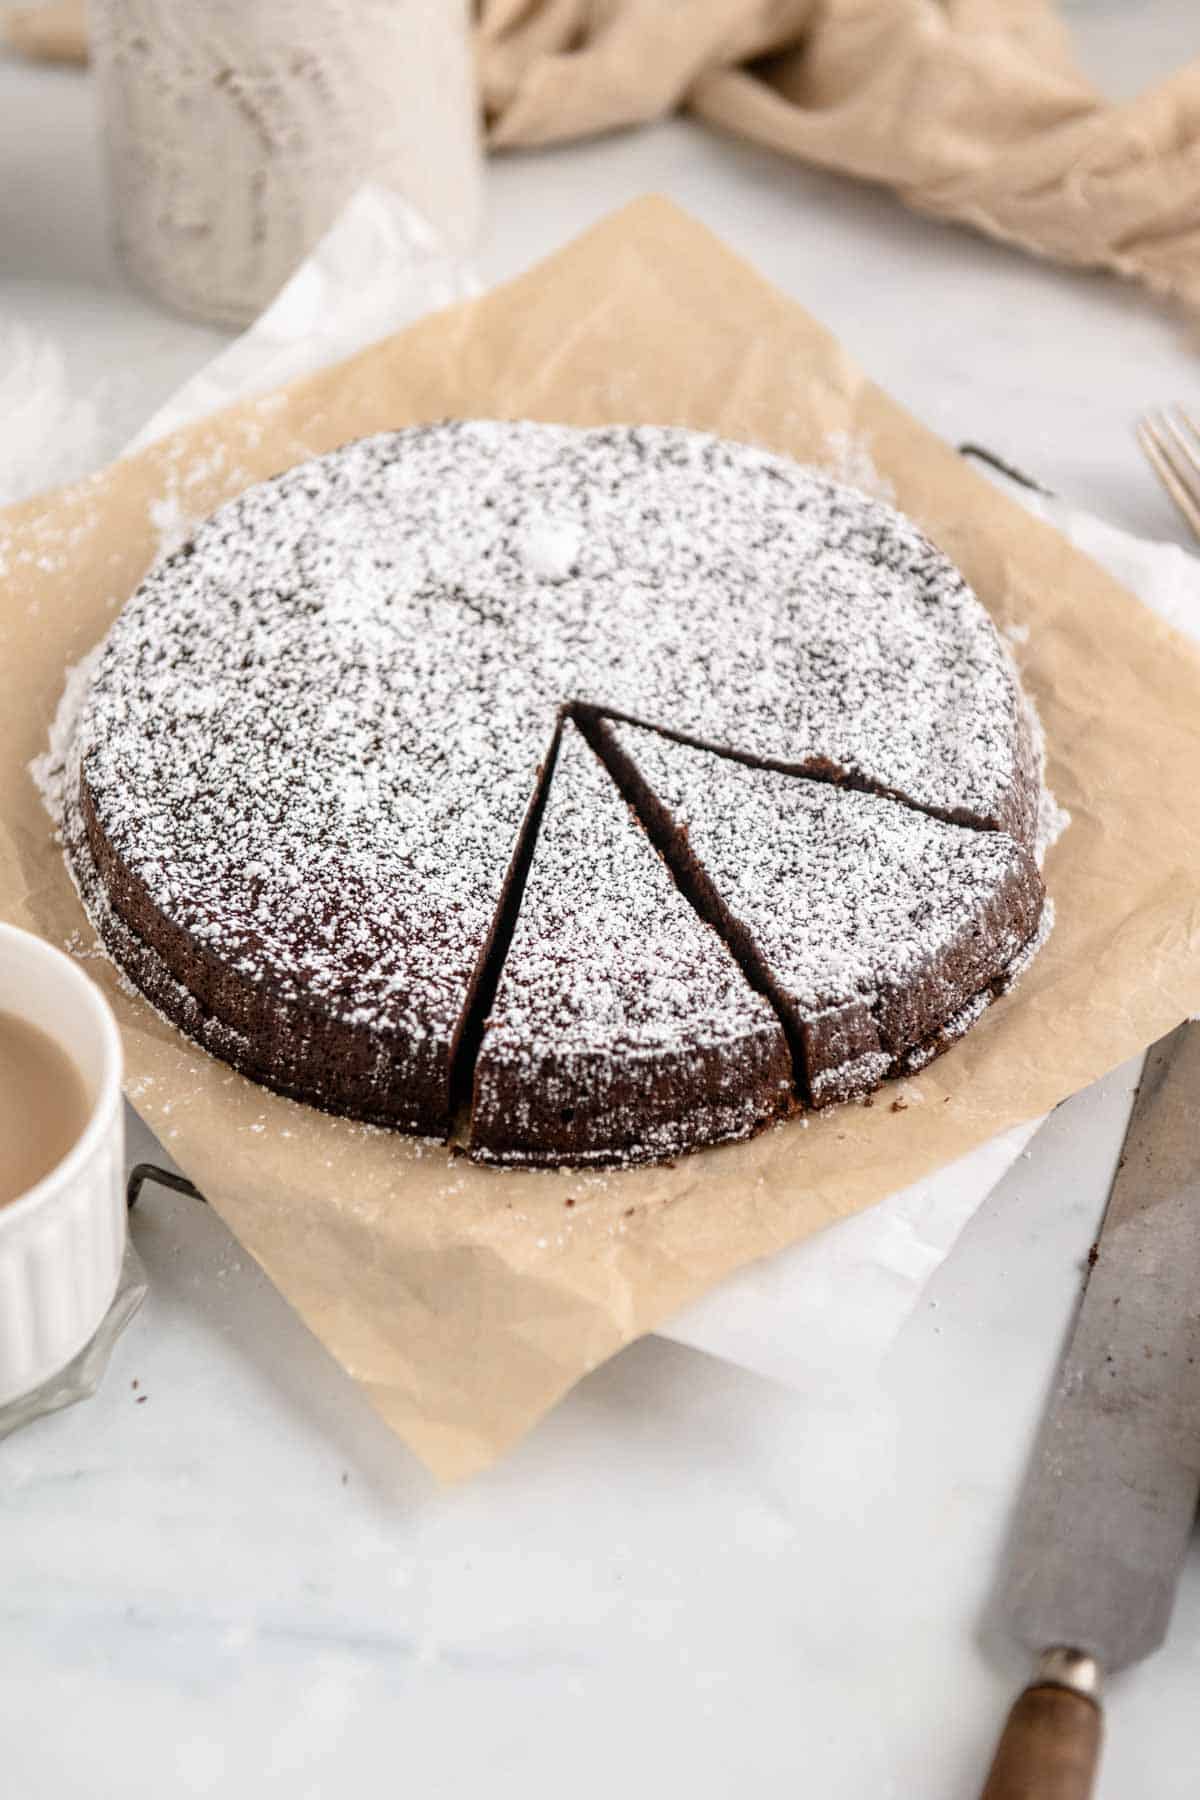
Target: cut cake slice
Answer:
pixel 622 1029
pixel 873 927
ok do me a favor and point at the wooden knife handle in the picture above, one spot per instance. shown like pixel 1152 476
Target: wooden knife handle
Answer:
pixel 1049 1749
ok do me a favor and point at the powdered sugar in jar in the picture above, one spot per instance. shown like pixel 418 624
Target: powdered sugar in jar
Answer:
pixel 237 129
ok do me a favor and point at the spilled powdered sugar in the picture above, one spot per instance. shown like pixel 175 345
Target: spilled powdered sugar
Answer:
pixel 56 767
pixel 849 460
pixel 1052 819
pixel 49 433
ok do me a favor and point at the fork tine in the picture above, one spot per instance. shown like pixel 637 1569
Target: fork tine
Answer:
pixel 1180 426
pixel 1173 474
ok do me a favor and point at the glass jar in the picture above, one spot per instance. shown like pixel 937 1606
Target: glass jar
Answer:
pixel 235 130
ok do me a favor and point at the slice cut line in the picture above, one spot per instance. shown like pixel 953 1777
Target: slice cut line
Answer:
pixel 593 719
pixel 464 1048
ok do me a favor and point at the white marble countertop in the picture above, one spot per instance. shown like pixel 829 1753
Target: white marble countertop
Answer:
pixel 233 1581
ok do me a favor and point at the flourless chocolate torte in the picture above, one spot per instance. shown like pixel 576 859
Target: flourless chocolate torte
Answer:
pixel 654 1033
pixel 595 795
pixel 872 926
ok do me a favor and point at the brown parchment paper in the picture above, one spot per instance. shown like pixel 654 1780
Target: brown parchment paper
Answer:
pixel 466 1301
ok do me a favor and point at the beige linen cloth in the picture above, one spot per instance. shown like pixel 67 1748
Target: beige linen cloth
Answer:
pixel 970 109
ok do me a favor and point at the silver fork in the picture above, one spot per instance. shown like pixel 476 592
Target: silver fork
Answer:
pixel 1171 440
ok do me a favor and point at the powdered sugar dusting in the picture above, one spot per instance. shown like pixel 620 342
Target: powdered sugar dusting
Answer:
pixel 613 986
pixel 290 749
pixel 873 922
pixel 549 547
pixel 654 976
pixel 845 893
pixel 857 1075
pixel 314 733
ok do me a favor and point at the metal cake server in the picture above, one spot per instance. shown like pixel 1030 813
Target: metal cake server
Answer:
pixel 1110 1501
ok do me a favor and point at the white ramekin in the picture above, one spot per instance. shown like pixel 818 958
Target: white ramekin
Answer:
pixel 61 1244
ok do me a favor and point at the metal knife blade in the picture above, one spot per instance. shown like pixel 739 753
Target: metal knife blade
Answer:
pixel 1104 1521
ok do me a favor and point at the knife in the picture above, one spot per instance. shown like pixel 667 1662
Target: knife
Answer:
pixel 1104 1520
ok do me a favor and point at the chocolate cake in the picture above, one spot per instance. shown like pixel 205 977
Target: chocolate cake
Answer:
pixel 869 924
pixel 650 1038
pixel 316 752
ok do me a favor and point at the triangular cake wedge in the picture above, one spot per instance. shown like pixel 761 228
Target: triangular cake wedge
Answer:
pixel 875 928
pixel 622 1029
